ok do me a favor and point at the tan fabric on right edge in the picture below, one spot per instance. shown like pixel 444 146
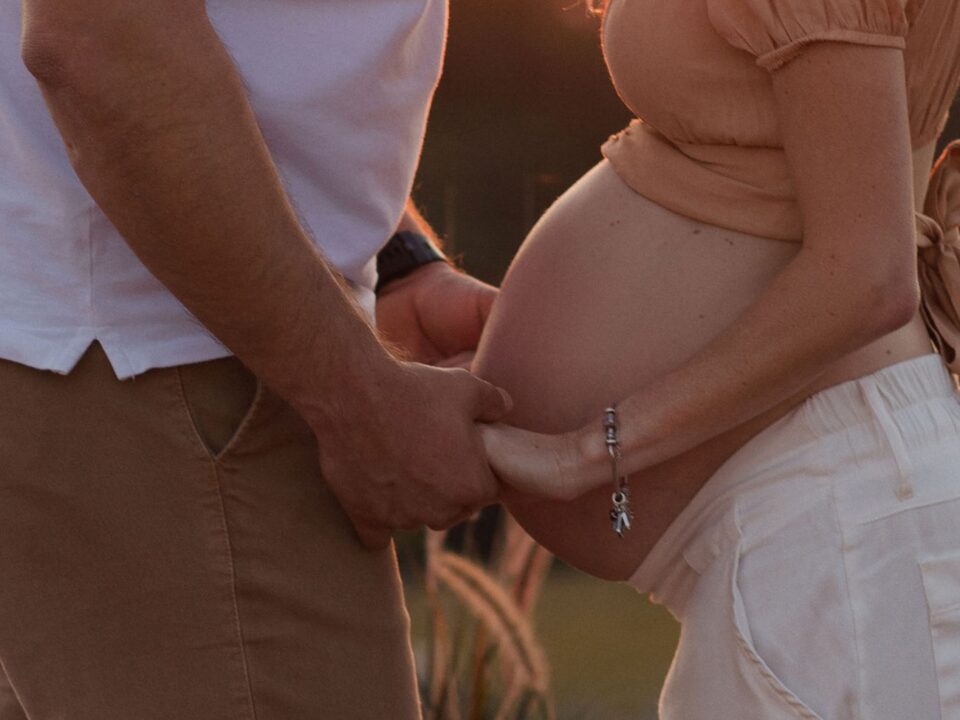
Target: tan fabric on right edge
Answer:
pixel 144 578
pixel 938 256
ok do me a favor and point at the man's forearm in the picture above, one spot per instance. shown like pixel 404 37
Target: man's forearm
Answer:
pixel 161 133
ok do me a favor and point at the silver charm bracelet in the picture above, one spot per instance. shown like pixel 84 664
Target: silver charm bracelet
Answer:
pixel 620 514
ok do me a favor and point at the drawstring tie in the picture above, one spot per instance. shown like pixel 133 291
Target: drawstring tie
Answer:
pixel 881 414
pixel 938 256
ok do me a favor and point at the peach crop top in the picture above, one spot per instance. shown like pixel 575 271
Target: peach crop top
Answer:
pixel 707 144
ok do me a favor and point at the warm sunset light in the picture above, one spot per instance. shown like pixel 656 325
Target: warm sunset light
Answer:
pixel 479 360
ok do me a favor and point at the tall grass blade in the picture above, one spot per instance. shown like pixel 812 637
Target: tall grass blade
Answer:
pixel 499 613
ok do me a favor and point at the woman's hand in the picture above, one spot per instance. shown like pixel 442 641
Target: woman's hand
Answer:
pixel 549 466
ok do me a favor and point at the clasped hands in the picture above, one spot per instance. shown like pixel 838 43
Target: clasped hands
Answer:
pixel 420 444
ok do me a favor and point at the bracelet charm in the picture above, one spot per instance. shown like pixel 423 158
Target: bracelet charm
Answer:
pixel 620 514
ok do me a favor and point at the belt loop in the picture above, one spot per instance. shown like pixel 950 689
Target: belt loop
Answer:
pixel 894 439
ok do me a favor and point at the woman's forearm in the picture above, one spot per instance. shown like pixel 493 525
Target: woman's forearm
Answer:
pixel 847 143
pixel 810 316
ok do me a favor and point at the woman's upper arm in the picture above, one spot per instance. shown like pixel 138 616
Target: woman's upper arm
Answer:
pixel 837 69
pixel 776 31
pixel 846 133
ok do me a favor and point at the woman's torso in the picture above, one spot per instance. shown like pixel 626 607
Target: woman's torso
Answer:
pixel 675 64
pixel 610 291
pixel 707 144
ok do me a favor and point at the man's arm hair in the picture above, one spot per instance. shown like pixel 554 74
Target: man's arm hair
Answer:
pixel 160 131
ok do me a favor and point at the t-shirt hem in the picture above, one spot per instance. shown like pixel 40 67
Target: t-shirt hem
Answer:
pixel 61 356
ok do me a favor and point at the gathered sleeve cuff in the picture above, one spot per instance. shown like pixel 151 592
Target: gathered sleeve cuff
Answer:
pixel 776 31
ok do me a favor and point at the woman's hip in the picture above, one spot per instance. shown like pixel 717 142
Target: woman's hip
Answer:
pixel 818 572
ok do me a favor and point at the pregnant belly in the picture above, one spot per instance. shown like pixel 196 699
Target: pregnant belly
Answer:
pixel 609 292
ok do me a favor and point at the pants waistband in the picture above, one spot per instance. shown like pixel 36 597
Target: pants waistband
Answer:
pixel 883 398
pixel 900 385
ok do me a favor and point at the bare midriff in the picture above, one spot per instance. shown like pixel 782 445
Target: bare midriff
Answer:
pixel 609 292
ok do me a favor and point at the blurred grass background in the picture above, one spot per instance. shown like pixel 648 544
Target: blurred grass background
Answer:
pixel 520 114
pixel 608 648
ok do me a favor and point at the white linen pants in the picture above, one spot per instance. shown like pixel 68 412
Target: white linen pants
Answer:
pixel 817 574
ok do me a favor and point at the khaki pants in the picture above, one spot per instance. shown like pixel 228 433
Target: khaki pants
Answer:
pixel 168 550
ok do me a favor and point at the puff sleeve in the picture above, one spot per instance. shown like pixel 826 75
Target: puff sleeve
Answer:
pixel 775 31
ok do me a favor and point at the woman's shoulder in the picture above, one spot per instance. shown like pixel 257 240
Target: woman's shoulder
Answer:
pixel 775 31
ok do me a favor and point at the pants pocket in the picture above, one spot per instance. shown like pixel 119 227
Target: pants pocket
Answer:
pixel 221 397
pixel 776 691
pixel 718 673
pixel 941 583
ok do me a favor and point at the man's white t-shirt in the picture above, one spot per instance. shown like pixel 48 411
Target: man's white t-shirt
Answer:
pixel 341 90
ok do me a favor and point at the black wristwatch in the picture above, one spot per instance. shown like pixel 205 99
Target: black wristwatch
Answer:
pixel 404 253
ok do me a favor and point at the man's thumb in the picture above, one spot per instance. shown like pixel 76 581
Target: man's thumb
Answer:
pixel 493 403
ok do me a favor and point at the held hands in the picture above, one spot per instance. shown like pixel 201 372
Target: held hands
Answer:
pixel 436 315
pixel 549 466
pixel 405 450
pixel 402 448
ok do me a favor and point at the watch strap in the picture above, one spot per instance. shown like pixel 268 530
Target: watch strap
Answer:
pixel 404 253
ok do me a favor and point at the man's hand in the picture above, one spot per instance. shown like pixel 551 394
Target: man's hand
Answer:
pixel 435 315
pixel 404 449
pixel 161 133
